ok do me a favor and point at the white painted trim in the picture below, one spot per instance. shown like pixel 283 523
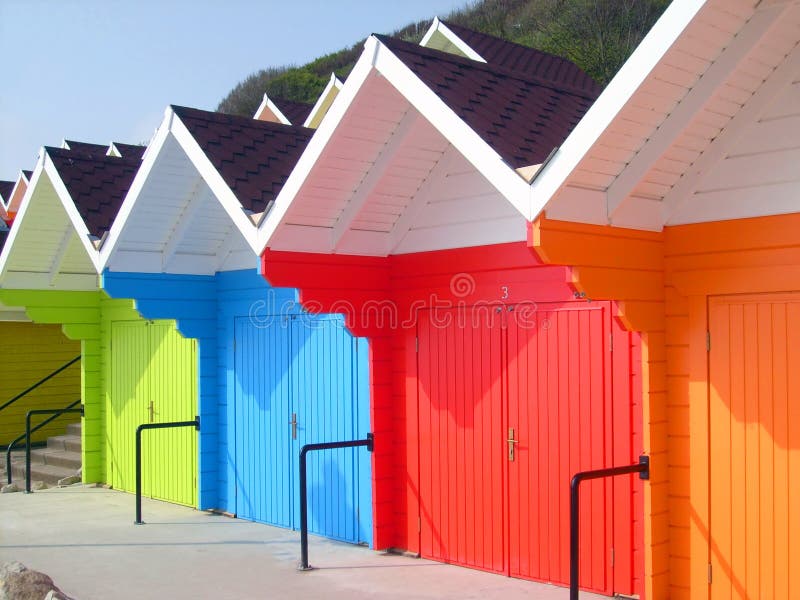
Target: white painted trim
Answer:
pixel 469 143
pixel 109 245
pixel 185 221
pixel 268 103
pixel 373 177
pixel 428 191
pixel 84 235
pixel 686 186
pixel 19 219
pixel 429 34
pixel 113 150
pixel 333 84
pixel 317 144
pixel 755 30
pixel 455 40
pixel 617 94
pixel 230 203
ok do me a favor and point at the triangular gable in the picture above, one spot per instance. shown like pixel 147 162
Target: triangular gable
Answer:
pixel 490 123
pixel 18 193
pixel 698 125
pixel 49 246
pixel 323 103
pixel 451 37
pixel 441 37
pixel 198 163
pixel 280 110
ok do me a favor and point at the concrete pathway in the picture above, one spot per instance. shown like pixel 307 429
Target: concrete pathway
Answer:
pixel 84 538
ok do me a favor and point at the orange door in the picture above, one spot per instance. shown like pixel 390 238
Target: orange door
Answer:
pixel 754 404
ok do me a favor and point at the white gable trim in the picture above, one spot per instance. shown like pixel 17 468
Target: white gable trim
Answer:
pixel 333 84
pixel 267 103
pixel 45 166
pixel 211 176
pixel 437 25
pixel 617 94
pixel 109 245
pixel 379 58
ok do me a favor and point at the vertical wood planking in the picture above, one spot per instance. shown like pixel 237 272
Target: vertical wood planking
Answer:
pixel 754 436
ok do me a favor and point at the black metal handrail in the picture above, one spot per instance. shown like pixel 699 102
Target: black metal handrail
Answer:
pixel 139 429
pixel 642 467
pixel 40 382
pixel 56 412
pixel 25 435
pixel 370 445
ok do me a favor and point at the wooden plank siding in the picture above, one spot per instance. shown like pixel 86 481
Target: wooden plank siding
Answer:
pixel 31 352
pixel 661 283
pixel 381 299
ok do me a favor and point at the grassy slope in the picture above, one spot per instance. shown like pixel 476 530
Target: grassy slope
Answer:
pixel 598 35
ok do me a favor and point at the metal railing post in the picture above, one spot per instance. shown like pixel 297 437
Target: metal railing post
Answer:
pixel 55 412
pixel 139 430
pixel 642 467
pixel 369 443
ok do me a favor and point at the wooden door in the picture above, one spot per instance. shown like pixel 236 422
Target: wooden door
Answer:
pixel 754 416
pixel 559 410
pixel 261 458
pixel 461 428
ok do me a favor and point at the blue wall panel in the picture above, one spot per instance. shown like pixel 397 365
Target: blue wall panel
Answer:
pixel 250 387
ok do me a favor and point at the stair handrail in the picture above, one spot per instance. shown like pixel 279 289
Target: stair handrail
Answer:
pixel 40 382
pixel 55 412
pixel 60 411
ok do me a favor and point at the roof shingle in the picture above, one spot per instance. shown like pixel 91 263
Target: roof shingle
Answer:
pixel 6 187
pixel 296 112
pixel 523 59
pixel 87 148
pixel 130 150
pixel 522 117
pixel 254 157
pixel 97 184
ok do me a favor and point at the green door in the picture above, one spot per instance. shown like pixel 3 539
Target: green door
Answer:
pixel 153 380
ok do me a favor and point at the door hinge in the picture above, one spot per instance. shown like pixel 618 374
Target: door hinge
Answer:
pixel 611 342
pixel 708 341
pixel 613 558
pixel 419 524
pixel 416 344
pixel 709 573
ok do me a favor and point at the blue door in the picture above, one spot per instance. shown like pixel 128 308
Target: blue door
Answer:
pixel 302 379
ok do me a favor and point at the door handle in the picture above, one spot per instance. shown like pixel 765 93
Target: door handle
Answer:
pixel 511 441
pixel 152 410
pixel 293 423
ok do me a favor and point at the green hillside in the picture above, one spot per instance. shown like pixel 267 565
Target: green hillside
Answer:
pixel 598 35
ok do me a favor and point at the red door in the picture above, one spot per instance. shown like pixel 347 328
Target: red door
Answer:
pixel 461 470
pixel 541 379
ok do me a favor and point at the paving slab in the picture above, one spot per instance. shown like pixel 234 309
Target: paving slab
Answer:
pixel 84 538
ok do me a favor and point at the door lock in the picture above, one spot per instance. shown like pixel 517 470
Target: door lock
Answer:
pixel 511 441
pixel 293 423
pixel 152 410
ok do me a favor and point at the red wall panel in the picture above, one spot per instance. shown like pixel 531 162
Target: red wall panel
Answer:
pixel 382 299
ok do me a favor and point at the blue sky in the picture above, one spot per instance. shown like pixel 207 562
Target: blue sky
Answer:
pixel 97 70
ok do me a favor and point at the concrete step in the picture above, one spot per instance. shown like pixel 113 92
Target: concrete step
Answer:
pixel 71 443
pixel 59 458
pixel 49 474
pixel 74 429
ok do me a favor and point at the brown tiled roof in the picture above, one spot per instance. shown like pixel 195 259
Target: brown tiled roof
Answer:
pixel 86 148
pixel 296 112
pixel 97 184
pixel 522 117
pixel 130 150
pixel 530 61
pixel 253 157
pixel 3 234
pixel 6 187
pixel 28 174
